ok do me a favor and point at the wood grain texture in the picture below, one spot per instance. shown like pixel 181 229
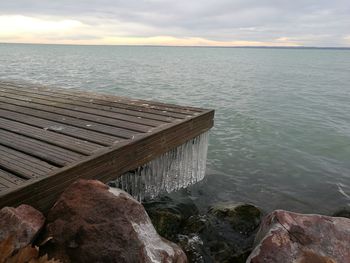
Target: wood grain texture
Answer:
pixel 60 128
pixel 72 99
pixel 27 108
pixel 50 137
pixel 23 165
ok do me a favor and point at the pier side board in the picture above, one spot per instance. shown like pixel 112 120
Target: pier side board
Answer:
pixel 50 137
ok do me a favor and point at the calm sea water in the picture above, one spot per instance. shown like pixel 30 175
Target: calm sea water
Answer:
pixel 282 129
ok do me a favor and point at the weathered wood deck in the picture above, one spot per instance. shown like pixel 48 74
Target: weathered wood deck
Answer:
pixel 49 137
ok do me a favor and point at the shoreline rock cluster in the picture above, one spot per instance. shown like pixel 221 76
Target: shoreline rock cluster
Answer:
pixel 92 222
pixel 224 234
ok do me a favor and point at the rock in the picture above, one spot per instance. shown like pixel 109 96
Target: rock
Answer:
pixel 225 234
pixel 27 254
pixel 196 224
pixel 223 242
pixel 193 246
pixel 168 215
pixel 204 238
pixel 219 241
pixel 91 222
pixel 22 224
pixel 290 237
pixel 244 218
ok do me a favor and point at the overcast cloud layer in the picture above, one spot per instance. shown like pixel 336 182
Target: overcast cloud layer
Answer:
pixel 181 22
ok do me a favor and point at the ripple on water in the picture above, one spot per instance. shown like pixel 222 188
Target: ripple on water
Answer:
pixel 282 129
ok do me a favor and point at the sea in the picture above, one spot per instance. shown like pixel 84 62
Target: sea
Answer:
pixel 281 138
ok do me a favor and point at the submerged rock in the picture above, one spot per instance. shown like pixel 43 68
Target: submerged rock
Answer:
pixel 230 230
pixel 94 223
pixel 22 224
pixel 194 247
pixel 197 224
pixel 224 234
pixel 169 215
pixel 244 218
pixel 221 242
pixel 290 237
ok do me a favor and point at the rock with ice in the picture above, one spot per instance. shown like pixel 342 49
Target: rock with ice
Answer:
pixel 92 222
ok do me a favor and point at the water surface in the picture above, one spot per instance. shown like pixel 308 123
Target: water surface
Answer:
pixel 282 129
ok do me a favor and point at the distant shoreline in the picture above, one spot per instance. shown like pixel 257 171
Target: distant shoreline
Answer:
pixel 252 47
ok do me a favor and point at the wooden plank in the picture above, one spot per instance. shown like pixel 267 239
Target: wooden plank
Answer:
pixel 53 138
pixel 8 180
pixel 158 106
pixel 62 106
pixel 22 101
pixel 22 164
pixel 44 151
pixel 97 104
pixel 60 128
pixel 27 160
pixel 22 107
pixel 109 164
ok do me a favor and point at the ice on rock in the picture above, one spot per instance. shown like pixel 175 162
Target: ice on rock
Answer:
pixel 173 170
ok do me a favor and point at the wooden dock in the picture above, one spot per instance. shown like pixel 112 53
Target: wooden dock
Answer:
pixel 50 137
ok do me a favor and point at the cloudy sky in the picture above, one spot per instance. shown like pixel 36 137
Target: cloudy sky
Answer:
pixel 177 22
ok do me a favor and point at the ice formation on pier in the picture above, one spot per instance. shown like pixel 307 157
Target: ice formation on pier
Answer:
pixel 173 170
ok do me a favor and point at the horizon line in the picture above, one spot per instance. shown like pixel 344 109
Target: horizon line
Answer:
pixel 186 46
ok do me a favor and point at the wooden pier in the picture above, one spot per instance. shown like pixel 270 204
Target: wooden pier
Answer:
pixel 50 137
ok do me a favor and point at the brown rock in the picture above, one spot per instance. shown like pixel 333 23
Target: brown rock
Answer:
pixel 27 254
pixel 22 224
pixel 94 223
pixel 290 237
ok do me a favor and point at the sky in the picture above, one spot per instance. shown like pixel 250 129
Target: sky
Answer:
pixel 320 23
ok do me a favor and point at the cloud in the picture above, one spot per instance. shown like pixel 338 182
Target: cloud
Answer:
pixel 27 25
pixel 221 22
pixel 58 30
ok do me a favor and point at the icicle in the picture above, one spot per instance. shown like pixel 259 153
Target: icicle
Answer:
pixel 173 170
